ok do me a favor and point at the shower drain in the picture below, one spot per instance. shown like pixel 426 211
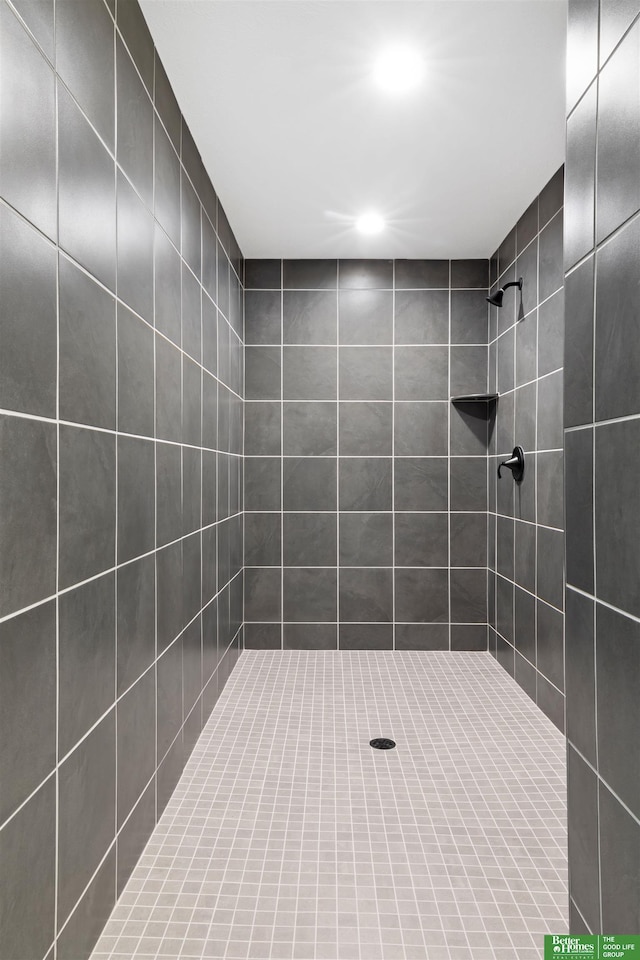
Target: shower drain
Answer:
pixel 382 743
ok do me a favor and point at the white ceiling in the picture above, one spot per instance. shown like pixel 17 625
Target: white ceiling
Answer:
pixel 298 140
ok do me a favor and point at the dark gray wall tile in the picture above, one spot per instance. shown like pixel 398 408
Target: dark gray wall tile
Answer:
pixel 191 229
pixel 135 34
pixel 262 594
pixel 366 316
pixel 365 428
pixel 550 565
pixel 578 349
pixel 167 184
pixel 582 48
pixel 262 539
pixel 135 126
pixel 366 595
pixel 468 483
pixel 580 179
pixel 87 384
pixel 468 539
pixel 580 674
pixel 421 429
pixel 27 318
pixel 527 226
pixel 263 636
pixel 469 316
pixel 421 483
pixel 135 374
pixel 27 704
pixel 262 482
pixel 262 316
pixel 468 274
pixel 468 589
pixel 86 811
pixel 421 274
pixel 579 508
pixel 169 693
pixel 167 287
pixel 421 316
pixel 262 424
pixel 550 644
pixel 551 702
pixel 310 636
pixel 421 539
pixel 28 524
pixel 86 658
pixel 422 596
pixel 134 250
pixel 85 60
pixel 309 539
pixel 136 506
pixel 469 636
pixel 617 340
pixel 366 540
pixel 551 334
pixel 550 271
pixel 29 139
pixel 365 274
pixel 366 636
pixel 28 854
pixel 365 483
pixel 310 429
pixel 309 317
pixel 619 856
pixel 617 513
pixel 618 193
pixel 296 274
pixel 136 627
pixel 365 373
pixel 90 916
pixel 309 595
pixel 136 743
pixel 618 708
pixel 263 371
pixel 422 636
pixel 582 815
pixel 309 373
pixel 87 219
pixel 87 504
pixel 168 391
pixel 525 626
pixel 421 373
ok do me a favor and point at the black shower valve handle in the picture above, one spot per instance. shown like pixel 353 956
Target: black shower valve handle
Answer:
pixel 515 463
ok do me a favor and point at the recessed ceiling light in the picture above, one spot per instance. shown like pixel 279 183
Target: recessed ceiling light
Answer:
pixel 370 223
pixel 398 69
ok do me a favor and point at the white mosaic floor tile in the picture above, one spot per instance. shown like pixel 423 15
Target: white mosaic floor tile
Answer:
pixel 289 838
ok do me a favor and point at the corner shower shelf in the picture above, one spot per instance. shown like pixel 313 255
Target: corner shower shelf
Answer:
pixel 476 398
pixel 480 406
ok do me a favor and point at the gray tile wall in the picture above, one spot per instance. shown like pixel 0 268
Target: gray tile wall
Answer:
pixel 526 519
pixel 365 489
pixel 120 468
pixel 602 440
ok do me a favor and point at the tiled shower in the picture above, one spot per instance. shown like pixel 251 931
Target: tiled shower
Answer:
pixel 202 455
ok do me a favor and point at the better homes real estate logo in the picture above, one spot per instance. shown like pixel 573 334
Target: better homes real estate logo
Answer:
pixel 592 948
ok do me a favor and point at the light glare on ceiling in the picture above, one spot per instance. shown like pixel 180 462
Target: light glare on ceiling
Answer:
pixel 370 223
pixel 398 69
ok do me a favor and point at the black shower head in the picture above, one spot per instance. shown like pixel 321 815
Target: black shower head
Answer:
pixel 496 298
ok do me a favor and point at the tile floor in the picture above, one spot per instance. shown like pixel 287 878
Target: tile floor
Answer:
pixel 289 837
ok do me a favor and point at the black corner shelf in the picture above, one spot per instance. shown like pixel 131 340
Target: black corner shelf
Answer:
pixel 476 398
